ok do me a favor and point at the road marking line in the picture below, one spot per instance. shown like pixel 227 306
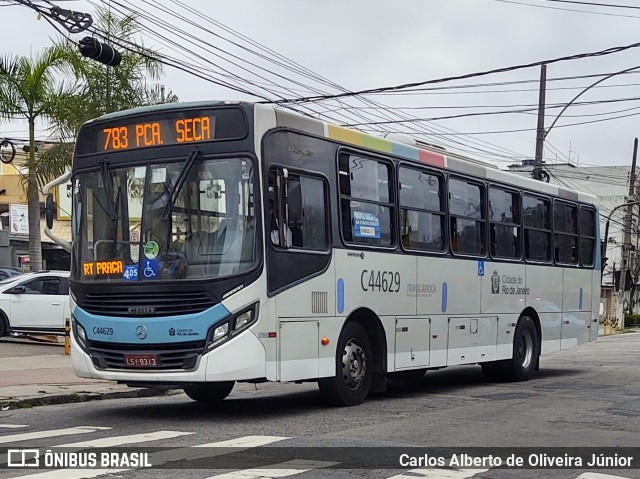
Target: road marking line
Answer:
pixel 597 475
pixel 130 439
pixel 439 473
pixel 115 441
pixel 201 451
pixel 283 469
pixel 12 426
pixel 29 436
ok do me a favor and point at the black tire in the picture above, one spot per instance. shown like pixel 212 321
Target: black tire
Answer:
pixel 209 393
pixel 354 368
pixel 524 361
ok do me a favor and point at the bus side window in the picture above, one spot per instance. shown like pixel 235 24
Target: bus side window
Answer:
pixel 307 226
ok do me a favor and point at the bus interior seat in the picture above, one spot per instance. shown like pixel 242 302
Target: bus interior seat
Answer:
pixel 231 246
pixel 199 249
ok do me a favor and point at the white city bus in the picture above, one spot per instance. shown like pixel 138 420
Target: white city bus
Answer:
pixel 220 242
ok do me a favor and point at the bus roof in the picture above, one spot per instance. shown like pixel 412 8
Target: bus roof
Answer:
pixel 418 151
pixel 162 107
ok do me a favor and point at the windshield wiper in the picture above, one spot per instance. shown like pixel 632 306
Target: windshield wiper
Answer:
pixel 182 177
pixel 107 181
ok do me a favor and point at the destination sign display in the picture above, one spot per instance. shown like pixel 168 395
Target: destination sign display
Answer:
pixel 157 133
pixel 163 129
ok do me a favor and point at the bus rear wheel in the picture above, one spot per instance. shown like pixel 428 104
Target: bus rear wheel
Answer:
pixel 208 393
pixel 524 360
pixel 354 368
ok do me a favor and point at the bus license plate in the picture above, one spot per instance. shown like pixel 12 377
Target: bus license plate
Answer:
pixel 141 360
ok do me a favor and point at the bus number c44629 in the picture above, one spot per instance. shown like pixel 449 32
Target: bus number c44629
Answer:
pixel 381 281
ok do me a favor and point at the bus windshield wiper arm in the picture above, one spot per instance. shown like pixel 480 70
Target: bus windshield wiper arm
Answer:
pixel 108 188
pixel 182 177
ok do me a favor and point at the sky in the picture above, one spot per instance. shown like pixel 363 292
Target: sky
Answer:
pixel 365 44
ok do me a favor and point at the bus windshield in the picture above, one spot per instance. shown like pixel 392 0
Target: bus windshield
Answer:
pixel 173 220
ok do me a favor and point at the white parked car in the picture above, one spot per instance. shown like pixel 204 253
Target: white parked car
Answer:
pixel 34 302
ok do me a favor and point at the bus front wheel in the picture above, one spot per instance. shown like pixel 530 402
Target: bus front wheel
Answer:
pixel 209 392
pixel 526 350
pixel 354 368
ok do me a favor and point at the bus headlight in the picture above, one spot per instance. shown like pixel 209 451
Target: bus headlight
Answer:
pixel 240 321
pixel 220 334
pixel 80 334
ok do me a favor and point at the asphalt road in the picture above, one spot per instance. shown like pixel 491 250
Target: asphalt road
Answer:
pixel 16 347
pixel 584 397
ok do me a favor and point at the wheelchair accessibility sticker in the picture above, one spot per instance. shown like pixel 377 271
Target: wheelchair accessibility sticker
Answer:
pixel 150 268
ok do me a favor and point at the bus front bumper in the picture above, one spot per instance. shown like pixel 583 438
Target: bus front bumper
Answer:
pixel 241 358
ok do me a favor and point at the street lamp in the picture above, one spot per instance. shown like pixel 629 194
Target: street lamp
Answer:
pixel 606 229
pixel 603 248
pixel 541 132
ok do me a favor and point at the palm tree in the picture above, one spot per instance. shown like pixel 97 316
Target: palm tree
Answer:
pixel 103 89
pixel 30 90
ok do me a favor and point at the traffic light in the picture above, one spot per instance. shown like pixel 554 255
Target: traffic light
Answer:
pixel 100 52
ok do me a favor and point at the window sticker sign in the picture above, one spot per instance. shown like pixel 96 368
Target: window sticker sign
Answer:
pixel 366 225
pixel 130 272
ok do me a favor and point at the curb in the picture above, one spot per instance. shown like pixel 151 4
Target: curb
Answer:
pixel 25 403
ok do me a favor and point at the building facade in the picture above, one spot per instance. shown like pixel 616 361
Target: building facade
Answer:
pixel 14 233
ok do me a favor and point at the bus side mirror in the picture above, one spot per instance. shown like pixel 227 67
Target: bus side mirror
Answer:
pixel 49 210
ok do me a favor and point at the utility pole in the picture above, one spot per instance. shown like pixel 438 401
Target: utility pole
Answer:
pixel 540 132
pixel 626 245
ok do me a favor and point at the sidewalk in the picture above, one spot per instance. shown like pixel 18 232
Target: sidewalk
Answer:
pixel 33 374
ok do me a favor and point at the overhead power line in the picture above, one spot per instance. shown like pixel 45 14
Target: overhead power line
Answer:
pixel 607 51
pixel 421 130
pixel 591 12
pixel 594 4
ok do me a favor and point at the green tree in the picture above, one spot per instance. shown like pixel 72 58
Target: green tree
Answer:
pixel 30 89
pixel 106 89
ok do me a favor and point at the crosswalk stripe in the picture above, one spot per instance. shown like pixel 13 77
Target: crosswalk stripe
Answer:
pixel 283 469
pixel 201 451
pixel 130 439
pixel 597 475
pixel 12 426
pixel 439 473
pixel 115 441
pixel 29 436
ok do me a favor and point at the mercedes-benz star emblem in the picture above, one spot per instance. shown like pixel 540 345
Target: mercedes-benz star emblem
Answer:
pixel 141 332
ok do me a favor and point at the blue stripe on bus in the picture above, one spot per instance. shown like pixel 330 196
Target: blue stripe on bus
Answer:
pixel 340 295
pixel 580 301
pixel 444 297
pixel 165 329
pixel 408 152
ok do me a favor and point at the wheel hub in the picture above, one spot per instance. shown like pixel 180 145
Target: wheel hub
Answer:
pixel 525 349
pixel 354 364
